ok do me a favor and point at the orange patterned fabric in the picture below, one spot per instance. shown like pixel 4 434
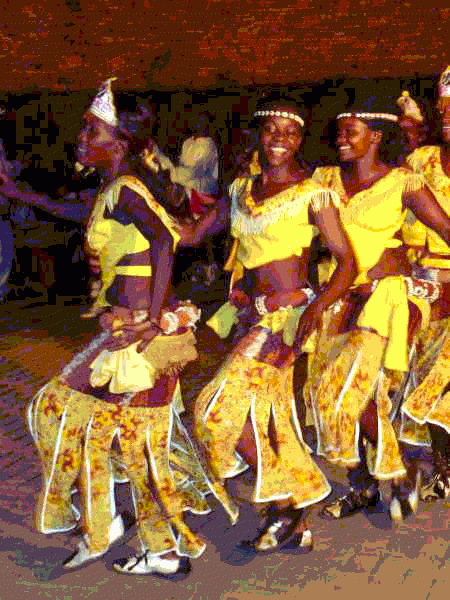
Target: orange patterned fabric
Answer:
pixel 74 433
pixel 344 378
pixel 245 386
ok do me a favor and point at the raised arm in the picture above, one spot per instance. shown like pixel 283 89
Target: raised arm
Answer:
pixel 59 208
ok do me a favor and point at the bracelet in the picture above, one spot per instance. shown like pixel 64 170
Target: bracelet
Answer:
pixel 309 294
pixel 192 312
pixel 427 290
pixel 174 322
pixel 260 305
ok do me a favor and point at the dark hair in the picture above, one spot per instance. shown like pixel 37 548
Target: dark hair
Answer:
pixel 273 102
pixel 393 142
pixel 136 122
pixel 137 126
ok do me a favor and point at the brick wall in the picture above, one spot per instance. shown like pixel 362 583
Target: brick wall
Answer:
pixel 73 44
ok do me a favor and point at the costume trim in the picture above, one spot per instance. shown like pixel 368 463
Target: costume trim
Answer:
pixel 279 113
pixel 285 205
pixel 369 115
pixel 133 183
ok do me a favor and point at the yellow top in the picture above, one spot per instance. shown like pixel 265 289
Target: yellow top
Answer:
pixel 373 216
pixel 276 229
pixel 111 240
pixel 427 162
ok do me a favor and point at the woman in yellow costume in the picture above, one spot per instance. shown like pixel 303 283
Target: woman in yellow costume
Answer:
pixel 248 409
pixel 426 411
pixel 121 386
pixel 365 340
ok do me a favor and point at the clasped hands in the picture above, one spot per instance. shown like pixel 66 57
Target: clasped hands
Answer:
pixel 310 320
pixel 126 332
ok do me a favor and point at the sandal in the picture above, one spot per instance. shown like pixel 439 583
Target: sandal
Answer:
pixel 279 530
pixel 353 502
pixel 404 502
pixel 174 569
pixel 437 488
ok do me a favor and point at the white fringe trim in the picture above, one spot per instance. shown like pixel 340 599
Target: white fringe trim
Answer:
pixel 252 225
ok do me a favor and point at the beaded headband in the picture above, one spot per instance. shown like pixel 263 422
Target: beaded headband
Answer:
pixel 368 115
pixel 444 83
pixel 103 104
pixel 279 113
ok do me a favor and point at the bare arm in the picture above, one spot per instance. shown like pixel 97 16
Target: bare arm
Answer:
pixel 328 221
pixel 214 222
pixel 58 208
pixel 427 209
pixel 161 244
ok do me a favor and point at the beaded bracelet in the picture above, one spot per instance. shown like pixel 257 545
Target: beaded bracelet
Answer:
pixel 260 305
pixel 192 312
pixel 421 289
pixel 309 294
pixel 174 322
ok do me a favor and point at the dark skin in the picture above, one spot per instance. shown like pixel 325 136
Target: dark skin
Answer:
pixel 101 147
pixel 359 146
pixel 281 281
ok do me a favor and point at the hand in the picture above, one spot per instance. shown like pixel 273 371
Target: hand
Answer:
pixel 280 299
pixel 240 299
pixel 129 334
pixel 8 187
pixel 106 320
pixel 310 320
pixel 394 261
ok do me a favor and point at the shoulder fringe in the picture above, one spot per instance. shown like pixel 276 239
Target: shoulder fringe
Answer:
pixel 251 225
pixel 413 183
pixel 417 159
pixel 133 183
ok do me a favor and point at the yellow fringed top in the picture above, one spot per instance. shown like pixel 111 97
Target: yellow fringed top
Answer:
pixel 276 229
pixel 427 162
pixel 111 241
pixel 373 216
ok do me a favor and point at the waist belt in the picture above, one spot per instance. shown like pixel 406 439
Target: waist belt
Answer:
pixel 134 270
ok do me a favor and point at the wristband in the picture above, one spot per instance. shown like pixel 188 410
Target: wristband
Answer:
pixel 427 290
pixel 260 305
pixel 309 294
pixel 174 322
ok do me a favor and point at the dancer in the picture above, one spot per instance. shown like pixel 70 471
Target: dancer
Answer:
pixel 121 386
pixel 426 411
pixel 365 342
pixel 248 409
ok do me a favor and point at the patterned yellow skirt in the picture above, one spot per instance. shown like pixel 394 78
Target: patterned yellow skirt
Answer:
pixel 344 378
pixel 242 387
pixel 84 442
pixel 428 403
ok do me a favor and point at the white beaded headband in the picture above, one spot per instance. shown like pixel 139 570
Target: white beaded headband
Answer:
pixel 279 113
pixel 367 115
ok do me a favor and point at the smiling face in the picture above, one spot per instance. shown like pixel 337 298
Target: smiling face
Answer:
pixel 280 139
pixel 354 138
pixel 97 142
